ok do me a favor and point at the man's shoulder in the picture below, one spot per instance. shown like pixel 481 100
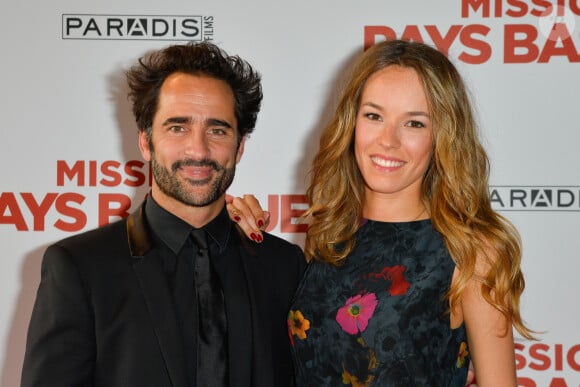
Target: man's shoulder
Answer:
pixel 92 253
pixel 271 240
pixel 279 251
pixel 277 263
pixel 111 234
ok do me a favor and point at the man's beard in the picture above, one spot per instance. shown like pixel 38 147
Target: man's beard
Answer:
pixel 170 184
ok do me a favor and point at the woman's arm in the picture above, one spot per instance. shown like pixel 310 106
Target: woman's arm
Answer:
pixel 490 343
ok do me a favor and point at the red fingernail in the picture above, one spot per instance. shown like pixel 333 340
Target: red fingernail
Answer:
pixel 260 238
pixel 260 223
pixel 253 237
pixel 237 218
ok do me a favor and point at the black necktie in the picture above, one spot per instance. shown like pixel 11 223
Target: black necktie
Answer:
pixel 212 356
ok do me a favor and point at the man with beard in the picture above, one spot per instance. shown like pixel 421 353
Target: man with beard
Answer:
pixel 172 296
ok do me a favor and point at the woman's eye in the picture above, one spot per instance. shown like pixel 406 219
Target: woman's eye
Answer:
pixel 372 116
pixel 416 124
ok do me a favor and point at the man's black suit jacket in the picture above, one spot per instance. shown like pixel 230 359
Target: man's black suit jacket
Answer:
pixel 104 316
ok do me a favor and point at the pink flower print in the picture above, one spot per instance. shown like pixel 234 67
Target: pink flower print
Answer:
pixel 354 316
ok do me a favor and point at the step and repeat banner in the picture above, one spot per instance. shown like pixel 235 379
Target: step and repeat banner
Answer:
pixel 70 161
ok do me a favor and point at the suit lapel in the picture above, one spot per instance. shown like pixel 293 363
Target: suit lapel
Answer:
pixel 259 333
pixel 233 275
pixel 149 271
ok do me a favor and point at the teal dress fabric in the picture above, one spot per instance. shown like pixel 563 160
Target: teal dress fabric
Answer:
pixel 380 319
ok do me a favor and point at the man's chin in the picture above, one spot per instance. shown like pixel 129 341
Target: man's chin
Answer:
pixel 201 199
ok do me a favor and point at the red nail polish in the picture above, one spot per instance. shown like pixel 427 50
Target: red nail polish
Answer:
pixel 260 238
pixel 253 237
pixel 237 218
pixel 260 223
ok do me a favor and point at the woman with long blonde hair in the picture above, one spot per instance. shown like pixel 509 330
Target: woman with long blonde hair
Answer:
pixel 412 274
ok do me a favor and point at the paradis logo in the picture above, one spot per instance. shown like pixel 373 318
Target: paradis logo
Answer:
pixel 536 198
pixel 137 27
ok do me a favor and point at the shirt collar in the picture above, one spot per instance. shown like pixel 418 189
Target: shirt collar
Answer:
pixel 174 231
pixel 218 229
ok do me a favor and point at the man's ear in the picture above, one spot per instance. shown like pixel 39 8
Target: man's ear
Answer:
pixel 144 145
pixel 240 149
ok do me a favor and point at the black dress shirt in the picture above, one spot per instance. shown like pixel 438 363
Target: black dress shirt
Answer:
pixel 172 235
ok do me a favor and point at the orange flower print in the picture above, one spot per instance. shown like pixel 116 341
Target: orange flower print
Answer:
pixel 354 316
pixel 353 380
pixel 463 352
pixel 297 324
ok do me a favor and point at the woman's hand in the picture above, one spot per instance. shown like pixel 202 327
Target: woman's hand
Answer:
pixel 249 215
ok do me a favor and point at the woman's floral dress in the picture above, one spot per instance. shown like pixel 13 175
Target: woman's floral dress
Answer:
pixel 380 319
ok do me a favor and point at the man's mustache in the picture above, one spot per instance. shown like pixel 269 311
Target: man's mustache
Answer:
pixel 196 163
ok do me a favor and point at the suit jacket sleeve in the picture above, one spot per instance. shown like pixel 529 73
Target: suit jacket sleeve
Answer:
pixel 60 348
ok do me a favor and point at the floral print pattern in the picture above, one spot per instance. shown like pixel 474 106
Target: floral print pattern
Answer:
pixel 381 319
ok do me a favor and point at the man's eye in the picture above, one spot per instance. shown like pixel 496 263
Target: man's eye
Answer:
pixel 217 131
pixel 176 129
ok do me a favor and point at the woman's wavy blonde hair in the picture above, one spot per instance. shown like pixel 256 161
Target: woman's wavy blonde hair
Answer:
pixel 455 188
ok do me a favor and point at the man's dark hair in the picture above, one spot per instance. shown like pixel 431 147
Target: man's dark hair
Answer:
pixel 146 77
